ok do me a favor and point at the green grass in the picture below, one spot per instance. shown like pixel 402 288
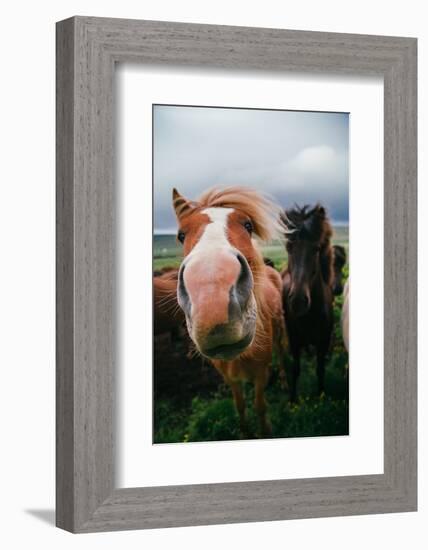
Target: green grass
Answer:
pixel 213 418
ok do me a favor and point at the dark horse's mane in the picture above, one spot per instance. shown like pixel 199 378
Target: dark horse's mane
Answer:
pixel 312 224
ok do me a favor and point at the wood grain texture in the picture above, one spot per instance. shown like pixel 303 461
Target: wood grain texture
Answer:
pixel 64 276
pixel 87 50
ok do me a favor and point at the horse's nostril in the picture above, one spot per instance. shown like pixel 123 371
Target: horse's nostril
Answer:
pixel 244 284
pixel 242 261
pixel 182 294
pixel 300 302
pixel 181 277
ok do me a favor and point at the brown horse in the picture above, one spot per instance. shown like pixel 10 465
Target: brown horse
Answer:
pixel 167 316
pixel 231 300
pixel 308 287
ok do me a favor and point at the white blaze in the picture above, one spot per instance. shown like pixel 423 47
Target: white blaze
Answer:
pixel 213 239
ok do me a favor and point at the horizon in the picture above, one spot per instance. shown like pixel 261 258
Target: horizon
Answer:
pixel 173 231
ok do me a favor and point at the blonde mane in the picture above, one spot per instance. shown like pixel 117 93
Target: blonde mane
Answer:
pixel 259 207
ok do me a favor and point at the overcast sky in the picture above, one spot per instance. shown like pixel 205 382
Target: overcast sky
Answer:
pixel 298 157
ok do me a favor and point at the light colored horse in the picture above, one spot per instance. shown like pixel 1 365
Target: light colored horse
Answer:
pixel 231 300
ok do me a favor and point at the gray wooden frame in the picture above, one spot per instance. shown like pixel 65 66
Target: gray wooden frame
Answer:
pixel 87 50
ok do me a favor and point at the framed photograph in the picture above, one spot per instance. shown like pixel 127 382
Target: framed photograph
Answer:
pixel 236 274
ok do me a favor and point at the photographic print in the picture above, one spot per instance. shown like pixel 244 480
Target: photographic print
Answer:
pixel 250 273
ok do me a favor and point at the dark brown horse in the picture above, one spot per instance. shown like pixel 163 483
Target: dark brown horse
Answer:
pixel 339 261
pixel 307 287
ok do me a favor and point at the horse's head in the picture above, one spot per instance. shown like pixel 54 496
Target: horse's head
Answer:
pixel 218 276
pixel 309 253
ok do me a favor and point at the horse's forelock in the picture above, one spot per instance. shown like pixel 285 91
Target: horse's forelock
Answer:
pixel 261 209
pixel 308 223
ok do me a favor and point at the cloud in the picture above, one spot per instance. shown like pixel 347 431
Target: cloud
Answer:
pixel 296 156
pixel 315 161
pixel 320 166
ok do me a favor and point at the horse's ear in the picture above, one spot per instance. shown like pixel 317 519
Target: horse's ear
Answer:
pixel 181 205
pixel 321 210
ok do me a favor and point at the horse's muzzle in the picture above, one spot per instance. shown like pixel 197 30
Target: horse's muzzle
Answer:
pixel 228 351
pixel 219 304
pixel 300 303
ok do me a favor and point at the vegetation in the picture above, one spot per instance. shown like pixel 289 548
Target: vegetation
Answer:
pixel 210 415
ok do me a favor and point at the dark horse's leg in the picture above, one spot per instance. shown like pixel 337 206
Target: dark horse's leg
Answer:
pixel 321 354
pixel 295 373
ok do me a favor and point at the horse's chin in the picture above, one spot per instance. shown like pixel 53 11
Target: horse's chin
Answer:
pixel 229 343
pixel 229 351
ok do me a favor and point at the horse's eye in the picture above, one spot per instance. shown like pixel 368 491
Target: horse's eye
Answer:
pixel 249 227
pixel 181 236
